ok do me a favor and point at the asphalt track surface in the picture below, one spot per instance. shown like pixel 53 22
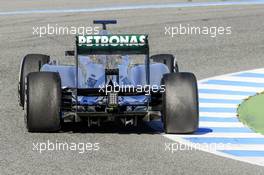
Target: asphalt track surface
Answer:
pixel 123 151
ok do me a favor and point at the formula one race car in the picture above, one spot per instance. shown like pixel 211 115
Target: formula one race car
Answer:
pixel 113 79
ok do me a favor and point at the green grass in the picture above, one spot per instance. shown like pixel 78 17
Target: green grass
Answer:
pixel 251 112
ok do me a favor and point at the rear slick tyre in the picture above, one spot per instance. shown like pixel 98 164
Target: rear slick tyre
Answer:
pixel 42 102
pixel 180 103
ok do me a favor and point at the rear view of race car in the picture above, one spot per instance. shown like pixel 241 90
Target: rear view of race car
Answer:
pixel 113 80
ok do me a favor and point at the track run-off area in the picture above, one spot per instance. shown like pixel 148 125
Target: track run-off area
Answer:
pixel 219 125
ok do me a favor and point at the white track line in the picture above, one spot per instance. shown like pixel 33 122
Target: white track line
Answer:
pixel 221 124
pixel 229 87
pixel 224 97
pixel 224 135
pixel 249 147
pixel 259 71
pixel 241 79
pixel 218 114
pixel 218 105
pixel 257 160
pixel 130 7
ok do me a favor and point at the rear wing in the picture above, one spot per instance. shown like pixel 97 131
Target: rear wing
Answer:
pixel 112 44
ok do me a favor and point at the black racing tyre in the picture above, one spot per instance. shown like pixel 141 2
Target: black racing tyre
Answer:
pixel 30 63
pixel 43 101
pixel 167 59
pixel 180 103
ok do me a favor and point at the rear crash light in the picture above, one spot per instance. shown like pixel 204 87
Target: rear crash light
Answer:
pixel 112 99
